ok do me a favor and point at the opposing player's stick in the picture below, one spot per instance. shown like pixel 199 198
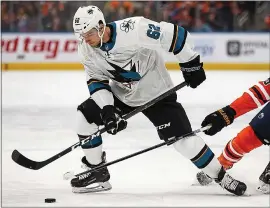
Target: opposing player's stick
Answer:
pixel 35 165
pixel 70 175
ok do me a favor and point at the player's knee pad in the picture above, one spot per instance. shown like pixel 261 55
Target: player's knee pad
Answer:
pixel 195 149
pixel 91 111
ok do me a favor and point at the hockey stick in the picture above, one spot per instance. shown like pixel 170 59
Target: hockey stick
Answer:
pixel 70 175
pixel 35 165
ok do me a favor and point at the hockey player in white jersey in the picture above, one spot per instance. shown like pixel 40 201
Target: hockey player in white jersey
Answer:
pixel 124 70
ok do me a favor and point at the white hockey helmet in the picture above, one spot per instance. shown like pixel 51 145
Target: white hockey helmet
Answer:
pixel 87 18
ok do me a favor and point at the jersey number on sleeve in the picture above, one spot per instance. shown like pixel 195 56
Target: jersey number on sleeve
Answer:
pixel 153 31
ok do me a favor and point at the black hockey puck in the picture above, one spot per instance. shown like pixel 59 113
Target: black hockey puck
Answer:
pixel 50 200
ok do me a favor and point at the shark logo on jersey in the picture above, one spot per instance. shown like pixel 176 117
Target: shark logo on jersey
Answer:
pixel 126 74
pixel 127 25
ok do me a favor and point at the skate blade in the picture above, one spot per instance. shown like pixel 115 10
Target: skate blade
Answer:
pixel 196 183
pixel 105 186
pixel 254 193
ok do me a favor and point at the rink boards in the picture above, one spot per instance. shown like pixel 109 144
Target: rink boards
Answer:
pixel 169 66
pixel 58 51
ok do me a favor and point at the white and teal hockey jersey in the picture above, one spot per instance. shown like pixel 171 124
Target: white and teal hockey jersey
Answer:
pixel 129 65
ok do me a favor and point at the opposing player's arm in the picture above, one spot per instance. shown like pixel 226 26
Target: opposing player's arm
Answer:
pixel 254 97
pixel 176 40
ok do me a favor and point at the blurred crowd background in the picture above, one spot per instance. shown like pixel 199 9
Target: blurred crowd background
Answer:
pixel 202 16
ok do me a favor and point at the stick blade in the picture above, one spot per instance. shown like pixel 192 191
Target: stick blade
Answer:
pixel 18 158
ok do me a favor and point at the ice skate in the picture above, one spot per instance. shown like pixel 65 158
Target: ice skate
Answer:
pixel 264 180
pixel 203 178
pixel 230 184
pixel 92 182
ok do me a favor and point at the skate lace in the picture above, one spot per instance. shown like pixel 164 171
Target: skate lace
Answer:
pixel 81 177
pixel 229 183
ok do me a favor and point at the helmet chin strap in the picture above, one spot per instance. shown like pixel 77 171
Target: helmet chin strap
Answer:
pixel 101 37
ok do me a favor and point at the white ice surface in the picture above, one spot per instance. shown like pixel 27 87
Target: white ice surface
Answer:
pixel 38 120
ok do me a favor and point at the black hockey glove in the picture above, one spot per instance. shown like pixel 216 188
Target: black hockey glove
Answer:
pixel 193 72
pixel 219 119
pixel 112 119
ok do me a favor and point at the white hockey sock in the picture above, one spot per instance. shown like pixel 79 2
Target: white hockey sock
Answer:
pixel 195 149
pixel 93 155
pixel 93 148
